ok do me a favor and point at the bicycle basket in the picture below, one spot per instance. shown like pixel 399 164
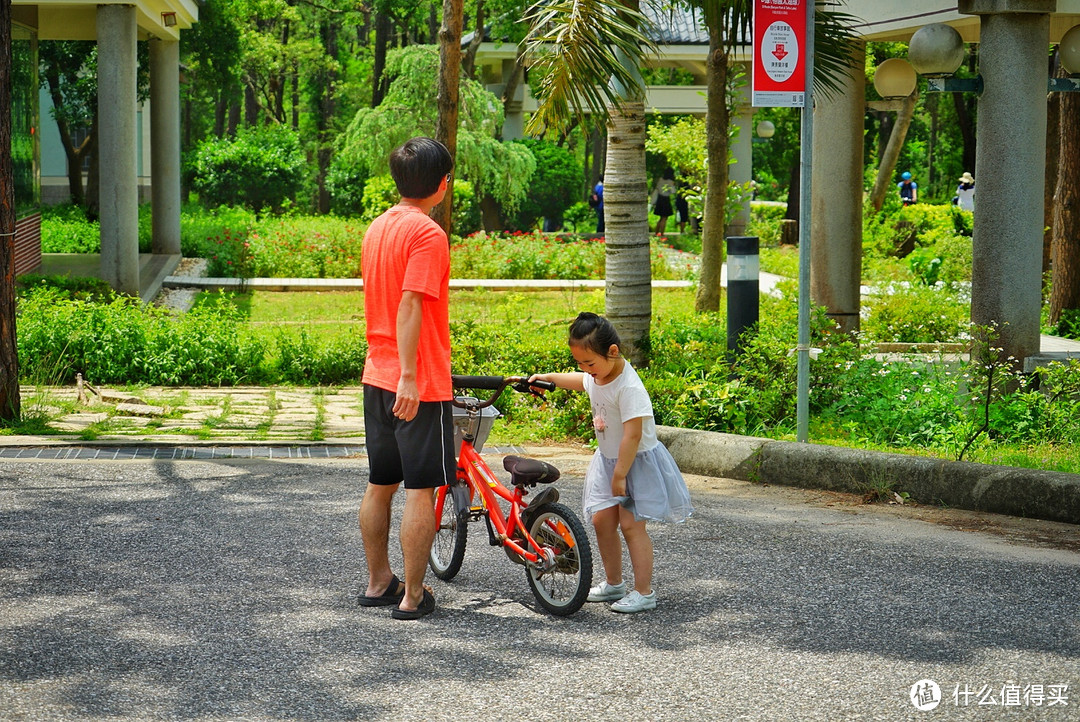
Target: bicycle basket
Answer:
pixel 482 424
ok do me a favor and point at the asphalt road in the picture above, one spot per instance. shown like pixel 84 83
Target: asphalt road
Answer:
pixel 226 590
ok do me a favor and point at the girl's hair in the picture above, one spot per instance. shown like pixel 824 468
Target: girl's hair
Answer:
pixel 594 333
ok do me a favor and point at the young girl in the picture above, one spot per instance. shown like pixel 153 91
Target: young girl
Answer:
pixel 632 477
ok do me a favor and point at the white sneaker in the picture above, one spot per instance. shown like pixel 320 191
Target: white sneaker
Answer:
pixel 607 593
pixel 634 602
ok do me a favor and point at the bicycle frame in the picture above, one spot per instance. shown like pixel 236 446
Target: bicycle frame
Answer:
pixel 482 482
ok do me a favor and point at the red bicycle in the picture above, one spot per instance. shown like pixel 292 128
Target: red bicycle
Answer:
pixel 543 535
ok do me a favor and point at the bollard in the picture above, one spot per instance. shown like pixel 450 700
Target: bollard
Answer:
pixel 742 289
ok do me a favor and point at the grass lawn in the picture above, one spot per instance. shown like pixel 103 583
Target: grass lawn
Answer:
pixel 327 313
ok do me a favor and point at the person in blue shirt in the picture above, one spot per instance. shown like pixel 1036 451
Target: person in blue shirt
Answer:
pixel 909 189
pixel 597 202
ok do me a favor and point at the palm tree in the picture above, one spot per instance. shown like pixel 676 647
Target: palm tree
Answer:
pixel 579 46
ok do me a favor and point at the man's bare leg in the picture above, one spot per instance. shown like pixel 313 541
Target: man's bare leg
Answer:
pixel 418 527
pixel 374 518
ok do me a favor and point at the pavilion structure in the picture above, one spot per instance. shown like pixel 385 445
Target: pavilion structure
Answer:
pixel 117 26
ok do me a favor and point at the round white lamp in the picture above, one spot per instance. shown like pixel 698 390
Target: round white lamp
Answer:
pixel 765 129
pixel 936 51
pixel 1070 50
pixel 894 78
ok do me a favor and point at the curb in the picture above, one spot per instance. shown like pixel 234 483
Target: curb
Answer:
pixel 1048 495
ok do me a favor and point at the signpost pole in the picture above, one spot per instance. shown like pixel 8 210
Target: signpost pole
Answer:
pixel 802 390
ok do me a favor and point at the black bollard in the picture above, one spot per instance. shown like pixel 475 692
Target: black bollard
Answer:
pixel 742 289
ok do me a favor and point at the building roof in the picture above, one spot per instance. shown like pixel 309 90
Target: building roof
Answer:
pixel 670 26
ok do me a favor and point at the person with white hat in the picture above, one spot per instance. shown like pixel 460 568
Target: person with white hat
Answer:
pixel 965 192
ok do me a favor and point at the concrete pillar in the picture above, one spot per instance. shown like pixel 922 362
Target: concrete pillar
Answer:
pixel 836 206
pixel 1009 165
pixel 117 169
pixel 742 170
pixel 165 144
pixel 514 120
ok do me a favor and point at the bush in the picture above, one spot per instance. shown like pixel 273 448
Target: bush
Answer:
pixel 259 168
pixel 918 314
pixel 554 186
pixel 65 229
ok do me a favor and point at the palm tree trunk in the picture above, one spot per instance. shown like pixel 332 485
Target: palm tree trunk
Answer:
pixel 716 121
pixel 628 289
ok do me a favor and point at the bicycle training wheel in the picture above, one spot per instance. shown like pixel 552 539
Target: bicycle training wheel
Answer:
pixel 561 582
pixel 448 548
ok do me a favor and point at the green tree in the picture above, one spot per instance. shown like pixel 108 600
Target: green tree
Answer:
pixel 588 54
pixel 554 185
pixel 410 109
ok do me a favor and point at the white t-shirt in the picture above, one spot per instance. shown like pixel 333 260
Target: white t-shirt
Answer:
pixel 615 403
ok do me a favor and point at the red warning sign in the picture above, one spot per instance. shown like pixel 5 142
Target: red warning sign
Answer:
pixel 779 75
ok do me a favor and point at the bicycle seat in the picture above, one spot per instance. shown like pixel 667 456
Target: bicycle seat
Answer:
pixel 529 471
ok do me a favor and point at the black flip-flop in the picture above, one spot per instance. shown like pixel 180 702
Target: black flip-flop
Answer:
pixel 395 590
pixel 427 606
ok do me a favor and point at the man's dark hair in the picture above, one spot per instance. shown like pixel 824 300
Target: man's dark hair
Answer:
pixel 418 166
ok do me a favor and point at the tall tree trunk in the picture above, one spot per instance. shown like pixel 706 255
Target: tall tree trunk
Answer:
pixel 716 124
pixel 221 112
pixel 446 129
pixel 892 151
pixel 1050 176
pixel 1065 291
pixel 468 63
pixel 93 199
pixel 628 286
pixel 234 117
pixel 9 352
pixel 251 105
pixel 966 125
pixel 382 40
pixel 295 92
pixel 327 106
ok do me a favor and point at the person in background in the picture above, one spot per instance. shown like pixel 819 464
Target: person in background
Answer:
pixel 965 192
pixel 909 189
pixel 596 201
pixel 661 199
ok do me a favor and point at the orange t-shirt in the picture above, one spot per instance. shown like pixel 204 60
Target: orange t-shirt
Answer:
pixel 404 250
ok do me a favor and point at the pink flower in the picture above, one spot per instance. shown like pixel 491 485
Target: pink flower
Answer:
pixel 599 424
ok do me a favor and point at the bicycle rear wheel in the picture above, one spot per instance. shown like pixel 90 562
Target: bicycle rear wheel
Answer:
pixel 562 583
pixel 448 547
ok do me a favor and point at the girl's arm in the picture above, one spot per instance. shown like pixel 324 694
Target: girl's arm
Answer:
pixel 570 381
pixel 631 437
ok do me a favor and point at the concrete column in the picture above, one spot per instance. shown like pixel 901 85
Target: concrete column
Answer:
pixel 836 207
pixel 1009 165
pixel 165 144
pixel 117 169
pixel 514 120
pixel 742 170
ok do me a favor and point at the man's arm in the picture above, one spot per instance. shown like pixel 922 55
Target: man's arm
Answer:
pixel 409 317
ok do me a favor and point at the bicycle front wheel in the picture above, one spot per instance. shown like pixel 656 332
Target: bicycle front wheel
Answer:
pixel 562 579
pixel 452 516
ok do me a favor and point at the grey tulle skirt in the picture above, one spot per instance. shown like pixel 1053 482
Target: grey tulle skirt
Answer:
pixel 656 490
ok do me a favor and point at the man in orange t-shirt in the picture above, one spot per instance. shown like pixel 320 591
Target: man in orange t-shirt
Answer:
pixel 408 424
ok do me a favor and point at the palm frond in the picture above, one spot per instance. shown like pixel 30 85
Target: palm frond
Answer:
pixel 576 47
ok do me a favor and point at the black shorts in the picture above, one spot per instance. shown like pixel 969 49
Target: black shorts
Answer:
pixel 419 452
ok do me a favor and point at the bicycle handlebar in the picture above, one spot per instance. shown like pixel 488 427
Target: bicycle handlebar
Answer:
pixel 497 384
